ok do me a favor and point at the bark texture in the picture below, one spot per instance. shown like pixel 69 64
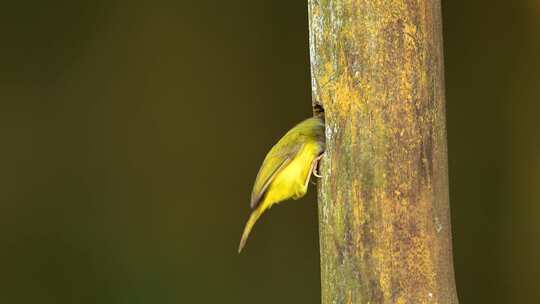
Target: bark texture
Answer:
pixel 377 71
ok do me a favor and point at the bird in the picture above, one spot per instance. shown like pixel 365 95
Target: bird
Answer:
pixel 287 169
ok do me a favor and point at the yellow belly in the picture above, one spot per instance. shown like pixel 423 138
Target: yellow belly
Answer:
pixel 291 182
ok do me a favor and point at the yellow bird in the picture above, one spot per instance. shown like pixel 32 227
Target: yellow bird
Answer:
pixel 286 170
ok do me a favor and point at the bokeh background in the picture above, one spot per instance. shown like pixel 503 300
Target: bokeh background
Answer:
pixel 131 132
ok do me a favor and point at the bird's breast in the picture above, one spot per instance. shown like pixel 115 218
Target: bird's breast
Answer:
pixel 291 181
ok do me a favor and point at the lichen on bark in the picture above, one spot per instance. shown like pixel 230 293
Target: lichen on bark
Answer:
pixel 377 70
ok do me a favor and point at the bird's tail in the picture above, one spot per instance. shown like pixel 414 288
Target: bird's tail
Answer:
pixel 255 214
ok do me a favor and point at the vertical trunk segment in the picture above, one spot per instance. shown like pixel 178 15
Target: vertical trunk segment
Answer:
pixel 377 70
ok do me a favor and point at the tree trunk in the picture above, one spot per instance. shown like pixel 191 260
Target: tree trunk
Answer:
pixel 384 217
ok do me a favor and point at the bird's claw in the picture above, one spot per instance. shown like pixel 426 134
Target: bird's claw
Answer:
pixel 315 170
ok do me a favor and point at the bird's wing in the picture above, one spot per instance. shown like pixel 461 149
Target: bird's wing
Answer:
pixel 277 159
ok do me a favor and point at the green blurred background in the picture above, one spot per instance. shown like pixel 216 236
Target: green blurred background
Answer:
pixel 132 131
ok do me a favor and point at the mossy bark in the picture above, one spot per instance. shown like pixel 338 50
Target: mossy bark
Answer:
pixel 377 71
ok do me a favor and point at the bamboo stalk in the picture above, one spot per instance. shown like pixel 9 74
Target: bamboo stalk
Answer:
pixel 384 217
